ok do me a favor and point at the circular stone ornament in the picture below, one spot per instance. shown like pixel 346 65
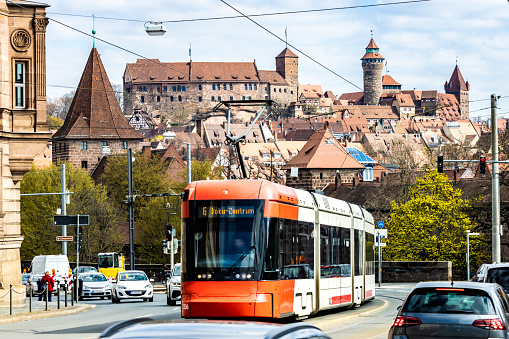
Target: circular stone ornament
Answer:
pixel 20 40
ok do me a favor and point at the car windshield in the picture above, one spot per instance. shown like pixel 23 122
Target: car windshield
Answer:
pixel 176 271
pixel 93 277
pixel 132 277
pixel 449 300
pixel 87 269
pixel 499 276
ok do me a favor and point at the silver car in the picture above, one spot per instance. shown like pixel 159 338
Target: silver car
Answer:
pixel 453 309
pixel 94 285
pixel 173 286
pixel 192 329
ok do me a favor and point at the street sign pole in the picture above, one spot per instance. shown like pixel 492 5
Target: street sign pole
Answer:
pixel 379 264
pixel 76 287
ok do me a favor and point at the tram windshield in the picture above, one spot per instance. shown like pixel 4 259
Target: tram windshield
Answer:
pixel 224 235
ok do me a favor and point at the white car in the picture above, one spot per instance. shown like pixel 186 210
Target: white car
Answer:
pixel 132 285
pixel 173 286
pixel 94 284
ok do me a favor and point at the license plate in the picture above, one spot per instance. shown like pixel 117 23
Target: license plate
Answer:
pixel 136 293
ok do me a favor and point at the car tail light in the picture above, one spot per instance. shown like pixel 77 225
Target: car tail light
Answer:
pixel 489 324
pixel 402 321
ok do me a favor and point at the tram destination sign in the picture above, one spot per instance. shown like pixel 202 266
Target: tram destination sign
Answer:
pixel 227 211
pixel 59 220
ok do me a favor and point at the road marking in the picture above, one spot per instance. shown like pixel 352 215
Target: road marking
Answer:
pixel 326 323
pixel 356 324
pixel 142 316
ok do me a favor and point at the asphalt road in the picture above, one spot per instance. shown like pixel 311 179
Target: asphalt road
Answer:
pixel 371 320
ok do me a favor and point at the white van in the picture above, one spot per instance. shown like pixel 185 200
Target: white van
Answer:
pixel 42 263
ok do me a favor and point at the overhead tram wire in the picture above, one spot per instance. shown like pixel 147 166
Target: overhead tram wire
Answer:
pixel 251 15
pixel 295 48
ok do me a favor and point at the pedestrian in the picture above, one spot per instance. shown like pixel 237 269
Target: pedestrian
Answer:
pixel 50 283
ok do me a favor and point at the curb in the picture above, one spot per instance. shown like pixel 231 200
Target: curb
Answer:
pixel 52 313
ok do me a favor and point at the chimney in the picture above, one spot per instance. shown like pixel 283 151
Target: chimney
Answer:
pixel 147 151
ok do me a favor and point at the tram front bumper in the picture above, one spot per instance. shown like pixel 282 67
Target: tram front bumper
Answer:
pixel 255 305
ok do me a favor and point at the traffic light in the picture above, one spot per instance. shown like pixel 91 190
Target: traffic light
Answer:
pixel 440 164
pixel 482 165
pixel 165 247
pixel 169 232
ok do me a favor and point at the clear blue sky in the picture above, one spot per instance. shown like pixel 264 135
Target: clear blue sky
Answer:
pixel 421 41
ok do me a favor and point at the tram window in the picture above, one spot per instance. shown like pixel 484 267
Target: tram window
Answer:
pixel 358 252
pixel 370 253
pixel 270 269
pixel 296 249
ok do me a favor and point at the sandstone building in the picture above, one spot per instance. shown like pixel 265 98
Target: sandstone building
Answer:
pixel 23 129
pixel 94 125
pixel 200 86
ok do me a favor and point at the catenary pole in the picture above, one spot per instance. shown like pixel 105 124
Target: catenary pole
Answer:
pixel 188 163
pixel 64 210
pixel 495 188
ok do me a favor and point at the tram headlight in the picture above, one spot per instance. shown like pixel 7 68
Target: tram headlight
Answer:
pixel 237 276
pixel 243 276
pixel 209 276
pixel 249 276
pixel 199 276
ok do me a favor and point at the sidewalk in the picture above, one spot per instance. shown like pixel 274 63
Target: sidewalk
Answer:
pixel 21 313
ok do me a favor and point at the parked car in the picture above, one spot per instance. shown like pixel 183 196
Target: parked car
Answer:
pixel 148 329
pixel 94 285
pixel 132 285
pixel 173 286
pixel 26 279
pixel 498 273
pixel 84 269
pixel 453 309
pixel 481 271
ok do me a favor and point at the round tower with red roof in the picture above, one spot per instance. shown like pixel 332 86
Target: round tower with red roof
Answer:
pixel 372 66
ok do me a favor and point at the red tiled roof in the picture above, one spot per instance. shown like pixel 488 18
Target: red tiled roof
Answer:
pixel 146 70
pixel 323 151
pixel 388 80
pixel 372 56
pixel 95 112
pixel 372 44
pixel 457 82
pixel 287 53
pixel 272 77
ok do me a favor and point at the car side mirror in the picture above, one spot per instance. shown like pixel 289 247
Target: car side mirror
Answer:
pixel 399 307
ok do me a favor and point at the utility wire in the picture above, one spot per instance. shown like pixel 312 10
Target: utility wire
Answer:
pixel 250 15
pixel 298 50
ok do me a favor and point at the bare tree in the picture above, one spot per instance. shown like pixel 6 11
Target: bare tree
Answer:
pixel 59 107
pixel 119 94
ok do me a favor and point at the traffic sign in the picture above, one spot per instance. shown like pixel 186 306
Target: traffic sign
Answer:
pixel 59 220
pixel 64 238
pixel 381 224
pixel 381 233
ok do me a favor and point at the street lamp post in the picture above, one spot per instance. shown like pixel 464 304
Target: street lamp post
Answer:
pixel 131 211
pixel 468 253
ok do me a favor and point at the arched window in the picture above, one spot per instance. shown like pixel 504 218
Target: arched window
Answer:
pixel 178 88
pixel 142 99
pixel 180 98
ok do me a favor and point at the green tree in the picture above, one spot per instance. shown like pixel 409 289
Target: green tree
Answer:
pixel 432 225
pixel 37 212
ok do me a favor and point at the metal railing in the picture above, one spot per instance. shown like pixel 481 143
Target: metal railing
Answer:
pixel 41 295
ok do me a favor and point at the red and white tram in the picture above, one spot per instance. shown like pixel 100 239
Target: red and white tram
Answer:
pixel 252 248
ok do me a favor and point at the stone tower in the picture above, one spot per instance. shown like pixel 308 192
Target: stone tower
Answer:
pixel 460 89
pixel 372 67
pixel 287 64
pixel 94 126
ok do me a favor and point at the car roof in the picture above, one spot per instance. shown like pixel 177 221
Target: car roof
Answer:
pixel 198 329
pixel 132 271
pixel 91 273
pixel 499 264
pixel 458 284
